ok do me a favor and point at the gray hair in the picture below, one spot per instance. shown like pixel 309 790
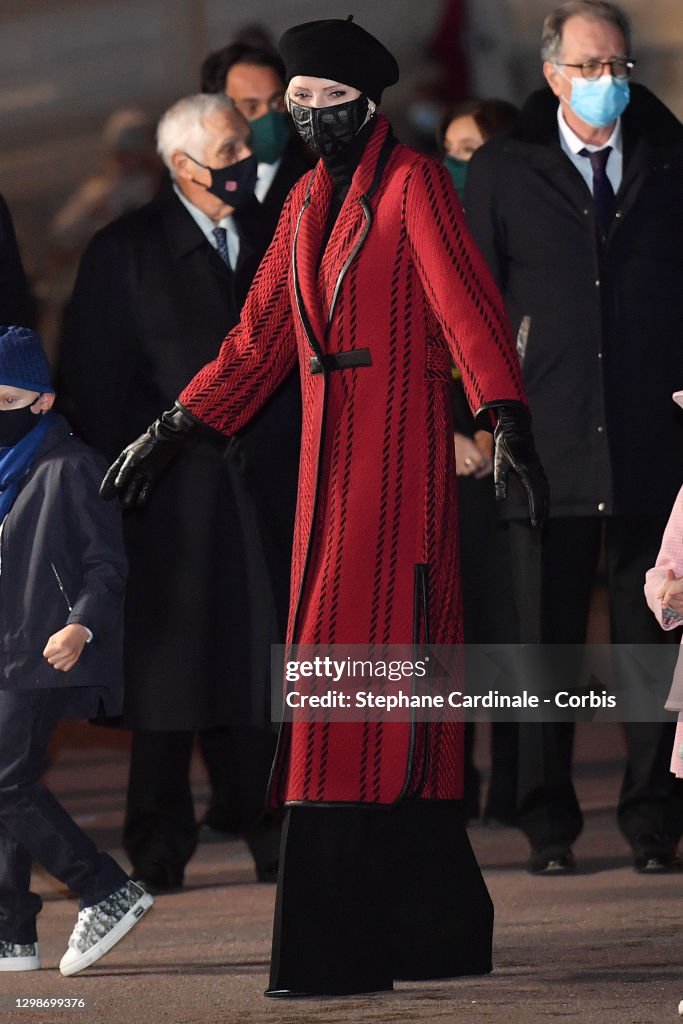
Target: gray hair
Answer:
pixel 596 10
pixel 183 127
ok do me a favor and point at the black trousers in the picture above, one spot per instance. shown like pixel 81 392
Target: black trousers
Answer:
pixel 33 824
pixel 160 828
pixel 366 896
pixel 553 573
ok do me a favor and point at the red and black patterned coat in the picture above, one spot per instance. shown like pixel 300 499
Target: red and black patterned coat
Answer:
pixel 401 278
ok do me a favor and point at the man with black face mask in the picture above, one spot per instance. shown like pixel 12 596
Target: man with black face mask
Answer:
pixel 156 292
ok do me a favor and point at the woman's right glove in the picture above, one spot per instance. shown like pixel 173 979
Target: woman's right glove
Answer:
pixel 136 470
pixel 514 449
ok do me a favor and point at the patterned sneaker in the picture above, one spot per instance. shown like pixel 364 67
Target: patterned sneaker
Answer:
pixel 17 956
pixel 101 926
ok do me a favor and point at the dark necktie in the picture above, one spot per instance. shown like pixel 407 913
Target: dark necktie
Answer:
pixel 221 236
pixel 603 193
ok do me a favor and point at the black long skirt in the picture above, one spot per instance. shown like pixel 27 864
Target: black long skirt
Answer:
pixel 369 896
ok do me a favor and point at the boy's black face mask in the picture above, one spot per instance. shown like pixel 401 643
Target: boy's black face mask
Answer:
pixel 16 423
pixel 328 130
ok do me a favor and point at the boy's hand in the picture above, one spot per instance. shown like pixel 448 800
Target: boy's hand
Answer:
pixel 671 592
pixel 63 649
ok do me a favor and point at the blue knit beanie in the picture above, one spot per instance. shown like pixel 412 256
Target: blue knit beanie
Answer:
pixel 23 363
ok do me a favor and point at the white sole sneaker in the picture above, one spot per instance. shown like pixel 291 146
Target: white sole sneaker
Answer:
pixel 74 961
pixel 29 961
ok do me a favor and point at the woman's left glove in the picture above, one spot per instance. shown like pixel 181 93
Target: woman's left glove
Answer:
pixel 133 475
pixel 514 449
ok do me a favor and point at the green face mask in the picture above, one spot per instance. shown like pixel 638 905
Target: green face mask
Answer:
pixel 269 136
pixel 458 171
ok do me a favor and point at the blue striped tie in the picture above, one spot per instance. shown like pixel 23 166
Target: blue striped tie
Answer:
pixel 221 236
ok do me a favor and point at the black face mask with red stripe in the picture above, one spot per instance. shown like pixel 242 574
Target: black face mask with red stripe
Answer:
pixel 233 184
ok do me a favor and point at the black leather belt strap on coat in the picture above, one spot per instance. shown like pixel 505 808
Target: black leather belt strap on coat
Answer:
pixel 340 360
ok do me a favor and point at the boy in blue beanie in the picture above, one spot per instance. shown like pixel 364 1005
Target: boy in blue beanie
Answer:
pixel 62 576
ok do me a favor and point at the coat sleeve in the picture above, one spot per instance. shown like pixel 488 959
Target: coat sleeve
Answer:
pixel 259 352
pixel 459 287
pixel 95 536
pixel 482 216
pixel 670 557
pixel 99 348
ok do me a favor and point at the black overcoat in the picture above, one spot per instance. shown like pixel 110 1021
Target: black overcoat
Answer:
pixel 152 302
pixel 63 562
pixel 604 346
pixel 16 306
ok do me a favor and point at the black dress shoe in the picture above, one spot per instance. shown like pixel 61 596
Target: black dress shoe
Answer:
pixel 499 820
pixel 267 871
pixel 158 878
pixel 285 993
pixel 655 853
pixel 210 834
pixel 552 861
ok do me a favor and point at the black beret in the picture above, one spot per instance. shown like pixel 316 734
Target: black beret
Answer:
pixel 341 51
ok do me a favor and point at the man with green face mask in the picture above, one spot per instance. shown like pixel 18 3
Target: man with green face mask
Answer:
pixel 253 78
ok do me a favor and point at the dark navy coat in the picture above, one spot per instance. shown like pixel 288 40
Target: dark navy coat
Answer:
pixel 62 561
pixel 604 341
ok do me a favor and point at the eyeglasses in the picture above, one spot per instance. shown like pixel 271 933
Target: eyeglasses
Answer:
pixel 620 67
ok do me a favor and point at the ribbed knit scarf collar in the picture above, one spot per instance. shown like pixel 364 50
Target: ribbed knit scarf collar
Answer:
pixel 16 461
pixel 341 167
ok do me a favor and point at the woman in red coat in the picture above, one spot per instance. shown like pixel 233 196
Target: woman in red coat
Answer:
pixel 373 285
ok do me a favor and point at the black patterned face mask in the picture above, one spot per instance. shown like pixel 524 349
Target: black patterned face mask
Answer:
pixel 328 130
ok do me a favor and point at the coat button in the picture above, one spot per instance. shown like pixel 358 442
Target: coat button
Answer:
pixel 597 282
pixel 601 506
pixel 618 213
pixel 599 355
pixel 586 212
pixel 600 429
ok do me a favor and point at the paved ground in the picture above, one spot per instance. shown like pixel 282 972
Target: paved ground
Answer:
pixel 602 947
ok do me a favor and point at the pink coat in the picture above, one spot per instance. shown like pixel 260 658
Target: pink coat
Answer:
pixel 670 557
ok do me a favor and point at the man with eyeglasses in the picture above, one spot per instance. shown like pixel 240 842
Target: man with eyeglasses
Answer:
pixel 579 212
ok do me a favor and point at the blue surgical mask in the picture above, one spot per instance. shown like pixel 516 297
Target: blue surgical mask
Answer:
pixel 601 102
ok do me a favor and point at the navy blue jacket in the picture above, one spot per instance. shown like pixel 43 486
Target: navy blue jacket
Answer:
pixel 62 561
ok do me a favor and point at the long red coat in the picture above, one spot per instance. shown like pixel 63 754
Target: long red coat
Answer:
pixel 375 552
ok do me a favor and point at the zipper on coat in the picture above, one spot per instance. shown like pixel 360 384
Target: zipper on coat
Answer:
pixel 61 586
pixel 421 605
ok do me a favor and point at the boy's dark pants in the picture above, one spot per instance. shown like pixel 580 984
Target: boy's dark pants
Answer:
pixel 33 825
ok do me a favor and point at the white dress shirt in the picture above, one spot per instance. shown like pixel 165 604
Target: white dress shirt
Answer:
pixel 572 145
pixel 264 178
pixel 204 222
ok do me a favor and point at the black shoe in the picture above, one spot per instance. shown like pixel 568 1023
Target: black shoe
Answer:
pixel 158 878
pixel 267 871
pixel 499 820
pixel 552 861
pixel 285 993
pixel 211 834
pixel 654 854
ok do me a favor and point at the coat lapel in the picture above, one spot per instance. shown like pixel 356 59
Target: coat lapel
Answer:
pixel 352 224
pixel 318 282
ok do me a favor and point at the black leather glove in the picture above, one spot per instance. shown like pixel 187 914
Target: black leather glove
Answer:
pixel 514 449
pixel 137 468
